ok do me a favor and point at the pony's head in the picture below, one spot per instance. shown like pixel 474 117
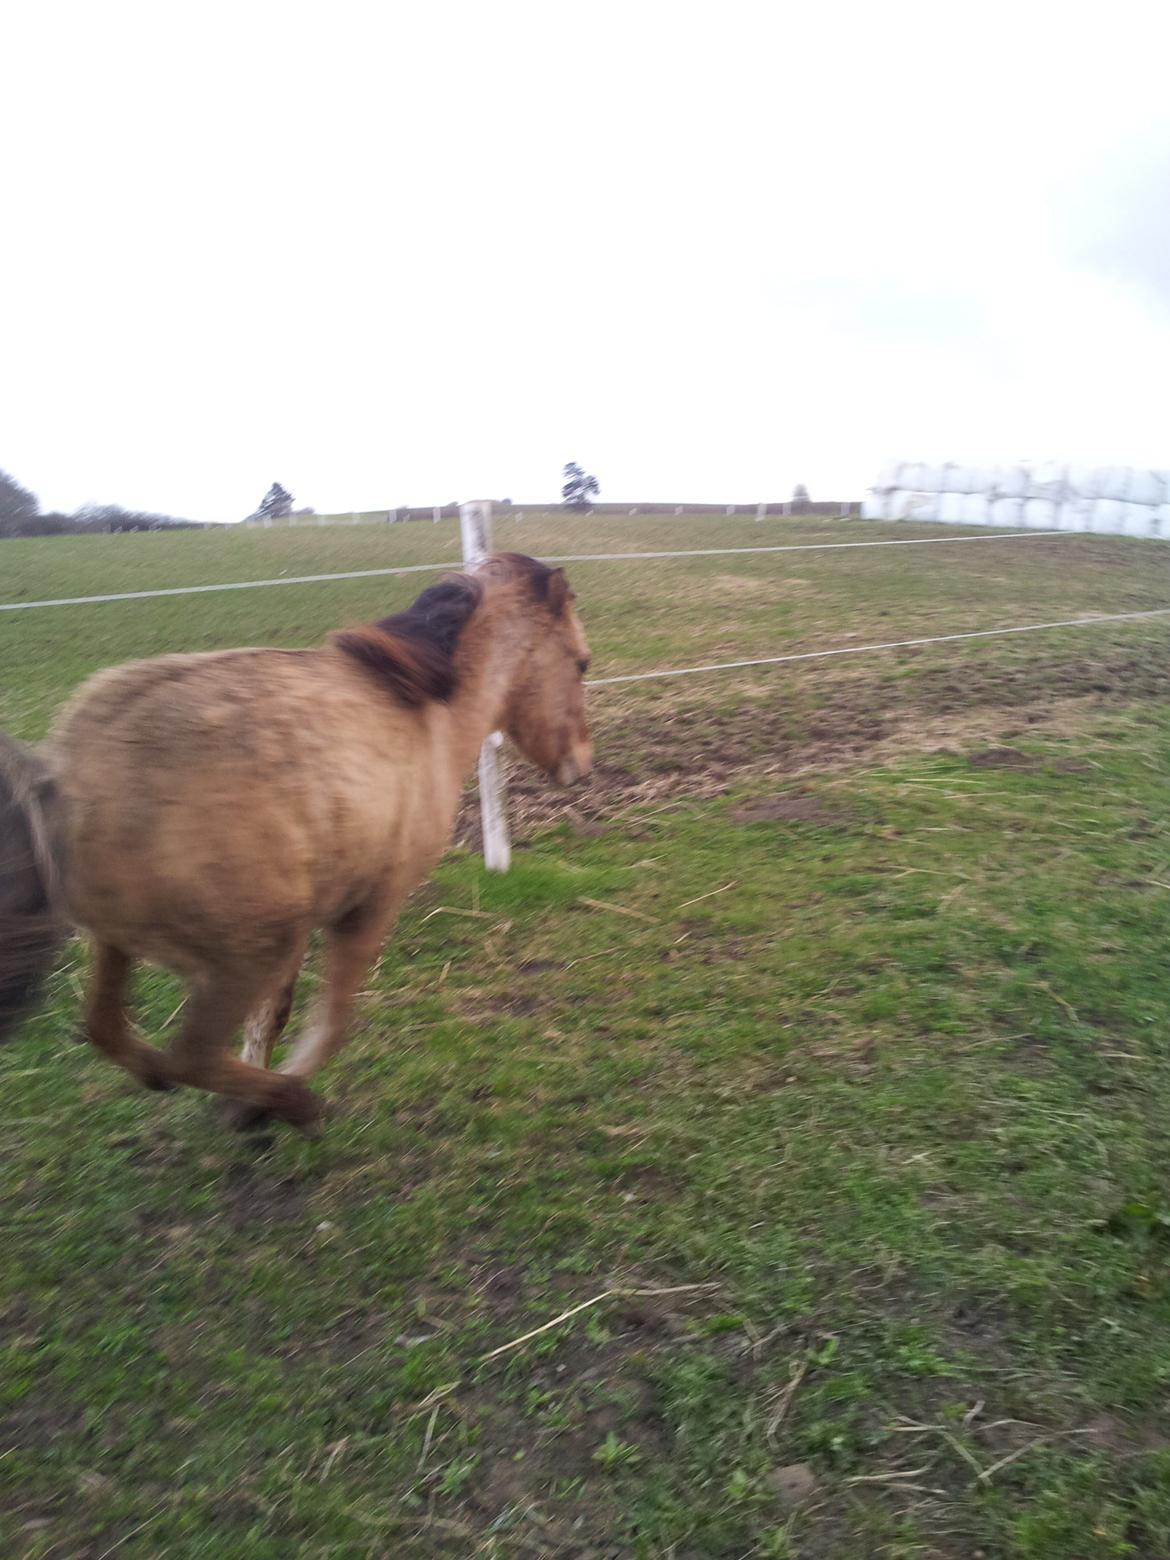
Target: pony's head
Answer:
pixel 416 655
pixel 545 711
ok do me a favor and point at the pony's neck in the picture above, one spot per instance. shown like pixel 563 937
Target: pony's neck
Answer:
pixel 491 649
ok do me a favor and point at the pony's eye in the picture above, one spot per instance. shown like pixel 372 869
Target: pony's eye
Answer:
pixel 583 665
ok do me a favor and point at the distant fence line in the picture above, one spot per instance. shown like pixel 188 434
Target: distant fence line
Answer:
pixel 826 509
pixel 475 523
pixel 434 568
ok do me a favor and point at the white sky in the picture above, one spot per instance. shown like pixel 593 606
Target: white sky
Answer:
pixel 411 253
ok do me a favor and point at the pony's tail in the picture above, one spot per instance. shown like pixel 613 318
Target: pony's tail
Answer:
pixel 31 925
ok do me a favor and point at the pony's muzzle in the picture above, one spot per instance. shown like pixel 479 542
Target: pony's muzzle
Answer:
pixel 574 767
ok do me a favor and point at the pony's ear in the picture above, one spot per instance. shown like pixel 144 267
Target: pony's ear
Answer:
pixel 557 592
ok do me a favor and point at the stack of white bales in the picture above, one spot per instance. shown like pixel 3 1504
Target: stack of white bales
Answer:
pixel 1120 500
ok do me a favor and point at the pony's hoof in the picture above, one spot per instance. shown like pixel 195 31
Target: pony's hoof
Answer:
pixel 294 1103
pixel 156 1080
pixel 299 1106
pixel 246 1118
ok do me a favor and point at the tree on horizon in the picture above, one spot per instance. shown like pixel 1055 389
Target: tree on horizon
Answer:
pixel 18 507
pixel 276 504
pixel 579 487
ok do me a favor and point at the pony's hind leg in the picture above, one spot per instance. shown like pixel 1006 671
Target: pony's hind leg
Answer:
pixel 107 1027
pixel 220 1001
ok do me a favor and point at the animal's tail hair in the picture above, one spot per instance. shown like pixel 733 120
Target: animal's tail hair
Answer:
pixel 31 925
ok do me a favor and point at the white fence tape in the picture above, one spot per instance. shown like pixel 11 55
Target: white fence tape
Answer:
pixel 891 644
pixel 432 568
pixel 474 519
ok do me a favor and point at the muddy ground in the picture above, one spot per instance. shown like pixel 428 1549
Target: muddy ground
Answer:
pixel 692 742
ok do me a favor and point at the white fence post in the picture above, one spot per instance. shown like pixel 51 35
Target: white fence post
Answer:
pixel 475 528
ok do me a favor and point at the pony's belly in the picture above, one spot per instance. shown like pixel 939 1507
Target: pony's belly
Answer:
pixel 177 897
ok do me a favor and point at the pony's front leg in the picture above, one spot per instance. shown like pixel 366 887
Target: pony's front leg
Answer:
pixel 267 1022
pixel 351 946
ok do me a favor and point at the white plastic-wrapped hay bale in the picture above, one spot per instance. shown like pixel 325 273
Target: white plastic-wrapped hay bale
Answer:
pixel 1011 482
pixel 1075 514
pixel 1139 519
pixel 1041 495
pixel 1147 487
pixel 1106 514
pixel 1113 483
pixel 1041 514
pixel 1008 511
pixel 907 505
pixel 889 477
pixel 1047 481
pixel 976 509
pixel 1081 482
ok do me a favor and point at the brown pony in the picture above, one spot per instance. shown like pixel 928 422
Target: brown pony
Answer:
pixel 208 812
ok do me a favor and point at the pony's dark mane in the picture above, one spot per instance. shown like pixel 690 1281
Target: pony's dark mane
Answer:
pixel 413 652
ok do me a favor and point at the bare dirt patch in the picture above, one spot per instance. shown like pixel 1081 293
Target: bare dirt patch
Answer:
pixel 37 1423
pixel 784 809
pixel 1013 758
pixel 999 758
pixel 252 1197
pixel 479 1007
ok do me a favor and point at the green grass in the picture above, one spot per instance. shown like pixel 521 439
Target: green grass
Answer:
pixel 872 1077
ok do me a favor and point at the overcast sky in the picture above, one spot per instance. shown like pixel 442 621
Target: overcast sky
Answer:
pixel 410 253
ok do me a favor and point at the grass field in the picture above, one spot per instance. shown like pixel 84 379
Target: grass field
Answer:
pixel 819 1052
